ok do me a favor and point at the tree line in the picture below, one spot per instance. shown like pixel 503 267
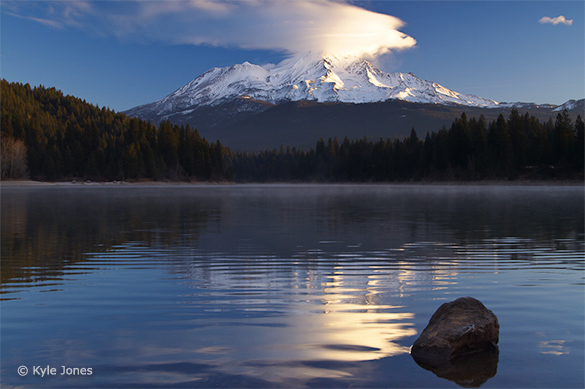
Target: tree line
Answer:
pixel 47 135
pixel 520 147
pixel 57 137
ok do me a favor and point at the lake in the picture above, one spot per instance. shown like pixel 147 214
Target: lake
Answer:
pixel 284 285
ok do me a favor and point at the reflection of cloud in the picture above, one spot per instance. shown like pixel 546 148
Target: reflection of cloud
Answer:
pixel 333 314
pixel 359 331
pixel 335 317
pixel 353 332
pixel 257 316
pixel 554 347
pixel 558 20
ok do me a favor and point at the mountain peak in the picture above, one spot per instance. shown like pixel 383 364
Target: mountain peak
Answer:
pixel 312 77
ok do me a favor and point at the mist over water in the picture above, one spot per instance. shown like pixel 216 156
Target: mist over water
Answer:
pixel 285 285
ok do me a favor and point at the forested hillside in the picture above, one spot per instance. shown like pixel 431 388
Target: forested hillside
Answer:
pixel 520 147
pixel 63 137
pixel 49 136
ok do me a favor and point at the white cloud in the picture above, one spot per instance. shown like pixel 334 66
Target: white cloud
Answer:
pixel 292 26
pixel 56 14
pixel 558 20
pixel 46 22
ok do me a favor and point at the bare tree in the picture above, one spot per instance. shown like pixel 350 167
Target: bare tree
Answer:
pixel 13 158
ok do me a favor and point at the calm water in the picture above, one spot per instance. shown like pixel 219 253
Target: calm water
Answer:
pixel 284 286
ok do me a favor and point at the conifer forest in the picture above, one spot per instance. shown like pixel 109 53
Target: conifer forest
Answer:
pixel 47 135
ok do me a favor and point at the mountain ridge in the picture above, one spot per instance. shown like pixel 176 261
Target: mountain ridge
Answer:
pixel 244 100
pixel 346 79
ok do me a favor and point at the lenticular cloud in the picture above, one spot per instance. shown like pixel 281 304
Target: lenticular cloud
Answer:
pixel 320 26
pixel 296 26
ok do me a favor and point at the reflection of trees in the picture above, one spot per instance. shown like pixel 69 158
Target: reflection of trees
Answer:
pixel 44 230
pixel 455 214
pixel 402 228
pixel 487 212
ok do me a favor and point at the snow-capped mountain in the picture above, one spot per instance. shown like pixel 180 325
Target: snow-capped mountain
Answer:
pixel 571 104
pixel 346 79
pixel 251 107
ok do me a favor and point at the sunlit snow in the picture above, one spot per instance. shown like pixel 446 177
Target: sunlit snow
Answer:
pixel 347 79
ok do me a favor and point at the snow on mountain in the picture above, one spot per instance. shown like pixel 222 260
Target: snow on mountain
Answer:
pixel 347 79
pixel 568 105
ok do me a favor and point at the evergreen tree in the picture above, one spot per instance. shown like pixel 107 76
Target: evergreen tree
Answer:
pixel 563 139
pixel 499 148
pixel 578 153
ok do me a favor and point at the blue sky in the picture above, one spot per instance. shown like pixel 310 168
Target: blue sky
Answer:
pixel 125 53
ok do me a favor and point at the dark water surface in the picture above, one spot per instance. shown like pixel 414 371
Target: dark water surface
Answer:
pixel 285 285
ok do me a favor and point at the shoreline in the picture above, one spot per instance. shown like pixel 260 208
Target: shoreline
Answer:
pixel 99 184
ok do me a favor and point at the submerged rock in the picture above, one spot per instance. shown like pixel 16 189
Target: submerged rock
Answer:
pixel 461 327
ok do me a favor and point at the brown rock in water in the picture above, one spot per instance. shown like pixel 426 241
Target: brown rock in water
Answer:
pixel 457 328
